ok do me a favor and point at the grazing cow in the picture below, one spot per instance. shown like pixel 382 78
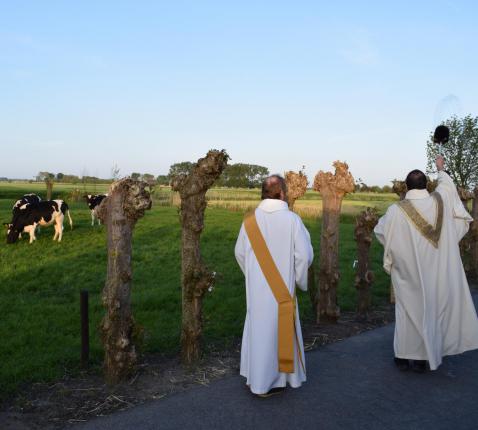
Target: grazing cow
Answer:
pixel 43 213
pixel 21 204
pixel 93 202
pixel 27 199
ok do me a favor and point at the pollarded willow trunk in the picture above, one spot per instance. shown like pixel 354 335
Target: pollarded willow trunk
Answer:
pixel 365 223
pixel 399 188
pixel 466 243
pixel 296 186
pixel 464 195
pixel 126 203
pixel 333 188
pixel 49 188
pixel 474 234
pixel 195 277
pixel 312 287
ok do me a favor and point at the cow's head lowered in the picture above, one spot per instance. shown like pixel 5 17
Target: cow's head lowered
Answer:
pixel 13 232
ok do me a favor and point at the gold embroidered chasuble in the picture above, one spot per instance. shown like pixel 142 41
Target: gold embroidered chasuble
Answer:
pixel 434 311
pixel 431 233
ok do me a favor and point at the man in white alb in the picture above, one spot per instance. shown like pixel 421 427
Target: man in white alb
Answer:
pixel 434 311
pixel 274 252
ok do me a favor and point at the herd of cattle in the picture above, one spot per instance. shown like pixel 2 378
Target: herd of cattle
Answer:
pixel 31 212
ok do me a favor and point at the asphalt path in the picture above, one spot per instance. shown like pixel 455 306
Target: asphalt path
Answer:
pixel 352 384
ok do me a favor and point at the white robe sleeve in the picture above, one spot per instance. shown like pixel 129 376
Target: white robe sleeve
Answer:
pixel 240 249
pixel 303 255
pixel 447 190
pixel 383 233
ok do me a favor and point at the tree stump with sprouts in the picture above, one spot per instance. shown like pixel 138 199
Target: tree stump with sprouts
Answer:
pixel 126 202
pixel 333 187
pixel 49 188
pixel 196 279
pixel 296 186
pixel 365 223
pixel 465 196
pixel 466 243
pixel 474 235
pixel 399 188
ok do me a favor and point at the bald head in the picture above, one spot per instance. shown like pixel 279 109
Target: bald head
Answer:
pixel 274 187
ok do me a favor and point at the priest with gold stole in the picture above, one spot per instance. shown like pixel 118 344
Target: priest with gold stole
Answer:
pixel 434 311
pixel 274 252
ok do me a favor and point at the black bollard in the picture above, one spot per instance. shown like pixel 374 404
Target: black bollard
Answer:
pixel 85 329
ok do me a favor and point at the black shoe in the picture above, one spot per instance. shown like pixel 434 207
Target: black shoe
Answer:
pixel 272 392
pixel 419 366
pixel 402 363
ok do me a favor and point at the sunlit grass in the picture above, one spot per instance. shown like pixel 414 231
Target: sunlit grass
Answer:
pixel 40 286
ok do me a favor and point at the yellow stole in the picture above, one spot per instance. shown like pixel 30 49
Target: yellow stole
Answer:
pixel 286 303
pixel 431 233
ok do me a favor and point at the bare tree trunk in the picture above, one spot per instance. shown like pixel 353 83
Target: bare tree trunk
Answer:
pixel 365 224
pixel 312 287
pixel 49 188
pixel 333 188
pixel 329 275
pixel 474 235
pixel 399 188
pixel 126 203
pixel 296 186
pixel 466 243
pixel 195 277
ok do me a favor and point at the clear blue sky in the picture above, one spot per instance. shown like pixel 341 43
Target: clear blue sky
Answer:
pixel 85 85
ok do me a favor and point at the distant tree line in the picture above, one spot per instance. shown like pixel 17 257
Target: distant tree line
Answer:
pixel 70 179
pixel 362 187
pixel 239 175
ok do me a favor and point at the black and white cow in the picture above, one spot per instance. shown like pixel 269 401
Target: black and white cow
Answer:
pixel 42 213
pixel 27 199
pixel 21 204
pixel 93 201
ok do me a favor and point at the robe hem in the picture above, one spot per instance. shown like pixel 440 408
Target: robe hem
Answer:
pixel 256 390
pixel 438 364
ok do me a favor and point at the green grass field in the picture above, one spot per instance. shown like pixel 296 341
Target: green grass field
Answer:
pixel 40 285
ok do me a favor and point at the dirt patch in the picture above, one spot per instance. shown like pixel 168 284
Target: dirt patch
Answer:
pixel 72 400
